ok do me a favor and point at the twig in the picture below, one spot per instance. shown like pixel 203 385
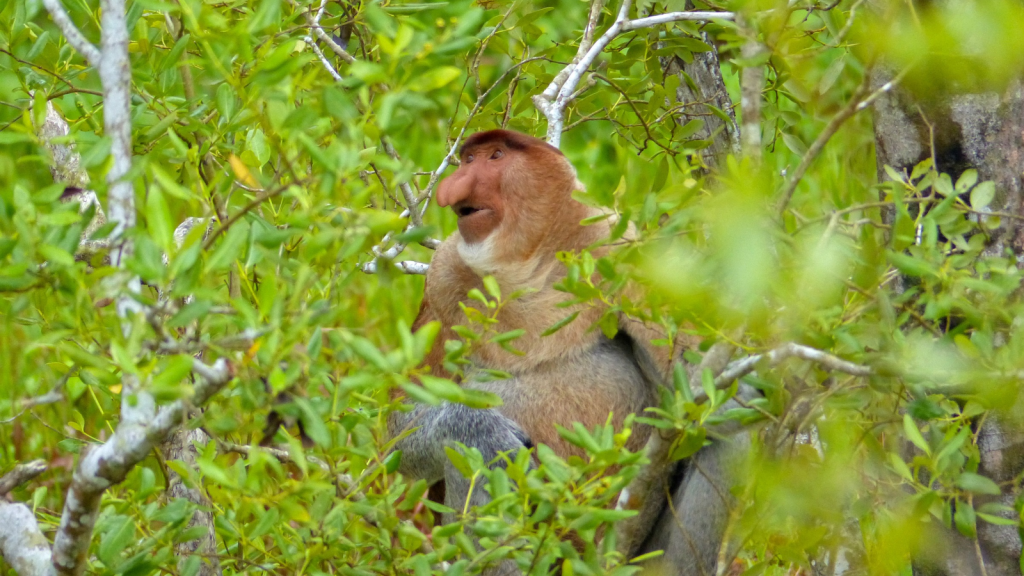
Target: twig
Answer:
pixel 71 87
pixel 693 15
pixel 562 89
pixel 314 26
pixel 407 266
pixel 245 210
pixel 284 456
pixel 741 368
pixel 833 126
pixel 72 33
pixel 323 59
pixel 22 473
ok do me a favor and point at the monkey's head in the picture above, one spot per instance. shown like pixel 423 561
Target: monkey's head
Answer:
pixel 513 195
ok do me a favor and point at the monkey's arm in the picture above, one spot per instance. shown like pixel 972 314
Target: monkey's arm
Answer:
pixel 423 454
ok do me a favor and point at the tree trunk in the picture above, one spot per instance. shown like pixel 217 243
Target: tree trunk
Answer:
pixel 180 447
pixel 984 132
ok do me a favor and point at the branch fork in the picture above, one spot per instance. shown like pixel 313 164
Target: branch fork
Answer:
pixel 562 90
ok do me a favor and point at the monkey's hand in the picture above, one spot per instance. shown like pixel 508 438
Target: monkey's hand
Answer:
pixel 423 454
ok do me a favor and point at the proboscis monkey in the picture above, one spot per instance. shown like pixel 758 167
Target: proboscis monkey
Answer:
pixel 513 197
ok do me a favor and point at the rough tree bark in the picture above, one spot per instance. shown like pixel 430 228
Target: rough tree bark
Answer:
pixel 182 446
pixel 700 81
pixel 984 132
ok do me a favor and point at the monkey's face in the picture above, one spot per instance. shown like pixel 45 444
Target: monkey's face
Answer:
pixel 511 193
pixel 474 191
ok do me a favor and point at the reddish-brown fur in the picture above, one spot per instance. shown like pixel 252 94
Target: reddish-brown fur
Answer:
pixel 521 190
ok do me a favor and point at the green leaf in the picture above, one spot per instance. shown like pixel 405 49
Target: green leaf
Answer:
pixel 435 78
pixel 688 444
pixel 268 521
pixel 116 539
pixel 982 195
pixel 914 434
pixel 912 266
pixel 169 382
pixel 55 255
pixel 965 519
pixel 508 336
pixel 977 483
pixel 312 423
pixel 491 285
pixel 966 180
pixel 560 324
pixel 459 461
pixel 414 7
pixel 230 247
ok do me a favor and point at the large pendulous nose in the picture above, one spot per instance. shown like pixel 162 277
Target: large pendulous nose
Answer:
pixel 454 188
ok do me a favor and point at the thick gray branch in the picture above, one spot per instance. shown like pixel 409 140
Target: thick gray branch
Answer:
pixel 22 545
pixel 108 464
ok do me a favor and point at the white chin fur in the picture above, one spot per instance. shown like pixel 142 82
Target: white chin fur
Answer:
pixel 479 256
pixel 481 259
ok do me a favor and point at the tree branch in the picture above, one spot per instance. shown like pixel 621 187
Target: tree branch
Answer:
pixel 107 464
pixel 22 545
pixel 852 107
pixel 638 495
pixel 22 473
pixel 66 168
pixel 562 90
pixel 751 86
pixel 741 368
pixel 314 26
pixel 71 32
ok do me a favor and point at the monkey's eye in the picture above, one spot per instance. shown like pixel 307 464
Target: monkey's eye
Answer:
pixel 469 159
pixel 497 154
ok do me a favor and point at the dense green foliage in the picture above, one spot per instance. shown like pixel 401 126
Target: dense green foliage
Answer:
pixel 235 118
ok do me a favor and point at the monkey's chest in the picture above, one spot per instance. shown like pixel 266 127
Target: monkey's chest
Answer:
pixel 585 388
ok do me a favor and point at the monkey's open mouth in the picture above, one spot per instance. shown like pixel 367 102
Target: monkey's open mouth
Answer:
pixel 466 210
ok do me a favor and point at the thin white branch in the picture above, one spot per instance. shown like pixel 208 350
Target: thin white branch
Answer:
pixel 344 480
pixel 585 43
pixel 314 27
pixel 562 90
pixel 411 203
pixel 751 86
pixel 323 59
pixel 22 545
pixel 407 266
pixel 108 464
pixel 71 32
pixel 676 17
pixel 741 368
pixel 642 492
